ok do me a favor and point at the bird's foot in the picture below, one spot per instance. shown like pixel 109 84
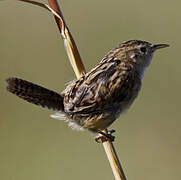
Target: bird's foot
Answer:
pixel 102 137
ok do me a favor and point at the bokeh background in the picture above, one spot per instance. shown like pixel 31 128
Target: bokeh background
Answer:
pixel 148 137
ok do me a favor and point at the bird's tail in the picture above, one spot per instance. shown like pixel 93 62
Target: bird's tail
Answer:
pixel 35 94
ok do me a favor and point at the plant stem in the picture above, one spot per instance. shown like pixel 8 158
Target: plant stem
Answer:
pixel 108 145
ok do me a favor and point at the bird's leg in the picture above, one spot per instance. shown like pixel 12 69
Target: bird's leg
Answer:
pixel 105 136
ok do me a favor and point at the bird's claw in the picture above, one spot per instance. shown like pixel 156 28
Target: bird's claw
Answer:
pixel 105 136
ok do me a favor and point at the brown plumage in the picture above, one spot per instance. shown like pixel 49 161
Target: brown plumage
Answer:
pixel 35 94
pixel 95 100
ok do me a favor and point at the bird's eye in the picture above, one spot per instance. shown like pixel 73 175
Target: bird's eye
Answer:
pixel 143 49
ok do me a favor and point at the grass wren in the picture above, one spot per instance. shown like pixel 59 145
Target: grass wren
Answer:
pixel 97 99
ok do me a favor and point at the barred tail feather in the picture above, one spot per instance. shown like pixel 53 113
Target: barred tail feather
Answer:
pixel 35 94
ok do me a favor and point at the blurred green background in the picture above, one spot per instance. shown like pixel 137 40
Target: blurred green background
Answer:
pixel 148 137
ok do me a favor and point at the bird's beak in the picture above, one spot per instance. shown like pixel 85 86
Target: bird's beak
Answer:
pixel 159 46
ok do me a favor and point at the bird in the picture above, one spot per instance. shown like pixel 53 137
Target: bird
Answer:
pixel 100 96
